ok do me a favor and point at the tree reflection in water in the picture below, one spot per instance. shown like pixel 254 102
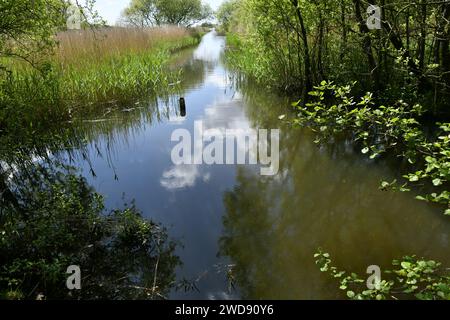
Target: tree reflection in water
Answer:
pixel 326 197
pixel 50 218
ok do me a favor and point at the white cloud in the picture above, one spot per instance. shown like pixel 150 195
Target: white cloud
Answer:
pixel 215 4
pixel 110 10
pixel 182 176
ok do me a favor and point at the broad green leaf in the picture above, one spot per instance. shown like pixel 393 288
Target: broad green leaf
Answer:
pixel 406 265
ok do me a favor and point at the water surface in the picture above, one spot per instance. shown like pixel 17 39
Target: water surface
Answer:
pixel 264 230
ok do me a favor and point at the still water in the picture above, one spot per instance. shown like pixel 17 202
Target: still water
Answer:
pixel 265 229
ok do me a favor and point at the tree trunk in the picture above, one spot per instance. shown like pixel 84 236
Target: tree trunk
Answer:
pixel 344 30
pixel 308 70
pixel 423 35
pixel 445 45
pixel 320 46
pixel 367 43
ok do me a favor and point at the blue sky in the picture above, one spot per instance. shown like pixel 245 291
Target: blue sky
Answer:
pixel 110 9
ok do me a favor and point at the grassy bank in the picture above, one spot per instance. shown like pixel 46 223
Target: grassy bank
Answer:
pixel 88 72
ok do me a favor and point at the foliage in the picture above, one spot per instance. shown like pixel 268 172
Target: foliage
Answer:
pixel 271 28
pixel 412 277
pixel 293 44
pixel 28 28
pixel 57 220
pixel 144 13
pixel 379 130
pixel 226 14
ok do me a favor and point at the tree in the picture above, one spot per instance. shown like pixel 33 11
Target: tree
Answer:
pixel 226 13
pixel 28 28
pixel 144 13
pixel 292 44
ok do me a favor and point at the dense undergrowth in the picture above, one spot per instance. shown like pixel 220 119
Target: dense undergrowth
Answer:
pixel 292 45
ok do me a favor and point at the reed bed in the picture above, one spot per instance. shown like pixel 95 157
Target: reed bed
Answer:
pixel 91 71
pixel 96 45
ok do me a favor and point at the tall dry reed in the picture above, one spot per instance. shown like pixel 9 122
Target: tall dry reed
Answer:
pixel 95 45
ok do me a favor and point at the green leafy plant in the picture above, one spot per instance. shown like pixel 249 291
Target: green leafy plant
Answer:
pixel 411 278
pixel 334 111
